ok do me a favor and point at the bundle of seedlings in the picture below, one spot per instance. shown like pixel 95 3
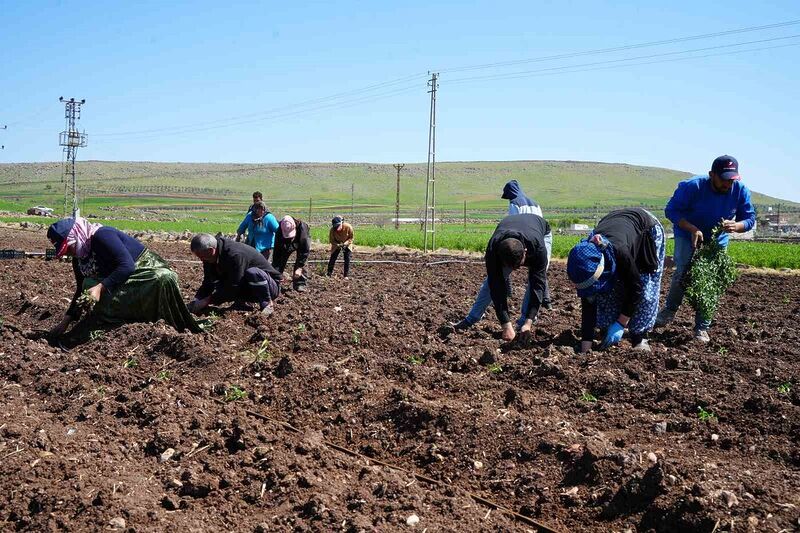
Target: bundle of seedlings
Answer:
pixel 711 272
pixel 85 303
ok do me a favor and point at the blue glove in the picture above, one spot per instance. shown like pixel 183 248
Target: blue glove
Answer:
pixel 613 335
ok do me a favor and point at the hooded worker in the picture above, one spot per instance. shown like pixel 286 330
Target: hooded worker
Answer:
pixel 617 273
pixel 294 236
pixel 128 282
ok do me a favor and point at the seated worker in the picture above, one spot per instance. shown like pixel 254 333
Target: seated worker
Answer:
pixel 260 226
pixel 341 239
pixel 294 236
pixel 129 282
pixel 518 240
pixel 617 273
pixel 233 271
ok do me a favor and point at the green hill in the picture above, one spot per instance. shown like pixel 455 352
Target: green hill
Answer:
pixel 554 184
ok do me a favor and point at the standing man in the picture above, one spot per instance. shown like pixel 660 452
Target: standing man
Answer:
pixel 294 236
pixel 341 239
pixel 518 203
pixel 518 240
pixel 698 205
pixel 233 271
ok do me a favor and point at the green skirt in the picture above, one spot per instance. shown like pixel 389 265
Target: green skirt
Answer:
pixel 151 293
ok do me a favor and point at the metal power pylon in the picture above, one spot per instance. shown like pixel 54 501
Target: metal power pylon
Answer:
pixel 399 167
pixel 429 226
pixel 71 139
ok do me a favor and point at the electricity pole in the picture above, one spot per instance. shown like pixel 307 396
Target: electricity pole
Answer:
pixel 430 174
pixel 2 147
pixel 352 201
pixel 71 140
pixel 399 167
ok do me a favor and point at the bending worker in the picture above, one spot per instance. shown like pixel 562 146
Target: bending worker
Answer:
pixel 698 205
pixel 518 240
pixel 617 272
pixel 294 236
pixel 233 271
pixel 128 282
pixel 518 203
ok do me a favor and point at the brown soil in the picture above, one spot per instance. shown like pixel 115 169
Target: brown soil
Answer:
pixel 362 364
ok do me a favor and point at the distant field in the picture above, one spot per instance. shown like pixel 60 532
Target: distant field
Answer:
pixel 448 236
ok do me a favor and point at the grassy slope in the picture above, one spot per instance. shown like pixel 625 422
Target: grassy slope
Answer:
pixel 555 184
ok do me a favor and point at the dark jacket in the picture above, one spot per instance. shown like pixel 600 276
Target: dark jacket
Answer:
pixel 635 253
pixel 530 229
pixel 113 254
pixel 284 247
pixel 223 279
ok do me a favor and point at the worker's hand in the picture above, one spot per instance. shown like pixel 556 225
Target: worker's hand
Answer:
pixel 730 226
pixel 96 291
pixel 298 274
pixel 238 237
pixel 197 305
pixel 508 332
pixel 697 239
pixel 61 327
pixel 613 335
pixel 525 333
pixel 586 347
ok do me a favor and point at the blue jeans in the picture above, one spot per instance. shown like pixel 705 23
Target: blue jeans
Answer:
pixel 484 298
pixel 682 257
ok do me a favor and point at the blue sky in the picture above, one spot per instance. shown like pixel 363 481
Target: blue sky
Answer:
pixel 216 81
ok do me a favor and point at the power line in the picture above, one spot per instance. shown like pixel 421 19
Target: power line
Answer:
pixel 620 48
pixel 571 69
pixel 332 97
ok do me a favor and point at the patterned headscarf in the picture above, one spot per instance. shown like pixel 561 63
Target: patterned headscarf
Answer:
pixel 69 231
pixel 591 265
pixel 288 227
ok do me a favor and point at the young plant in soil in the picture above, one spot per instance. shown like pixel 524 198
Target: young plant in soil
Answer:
pixel 705 416
pixel 416 360
pixel 130 362
pixel 785 388
pixel 722 350
pixel 356 337
pixel 588 397
pixel 263 354
pixel 495 368
pixel 163 375
pixel 96 334
pixel 711 272
pixel 85 302
pixel 235 393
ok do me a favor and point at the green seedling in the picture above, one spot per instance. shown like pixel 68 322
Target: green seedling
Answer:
pixel 213 316
pixel 722 350
pixel 164 375
pixel 356 337
pixel 785 388
pixel 588 397
pixel 705 416
pixel 101 391
pixel 130 362
pixel 235 393
pixel 301 328
pixel 416 360
pixel 263 354
pixel 96 334
pixel 85 302
pixel 785 300
pixel 711 272
pixel 495 368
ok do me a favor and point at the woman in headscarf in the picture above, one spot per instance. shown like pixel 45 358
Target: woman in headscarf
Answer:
pixel 123 280
pixel 617 273
pixel 260 226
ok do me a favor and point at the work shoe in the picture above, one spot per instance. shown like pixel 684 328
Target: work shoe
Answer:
pixel 547 305
pixel 701 335
pixel 665 316
pixel 461 325
pixel 300 288
pixel 643 346
pixel 267 310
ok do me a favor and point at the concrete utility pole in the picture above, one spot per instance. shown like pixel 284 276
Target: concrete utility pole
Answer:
pixel 430 174
pixel 71 140
pixel 398 167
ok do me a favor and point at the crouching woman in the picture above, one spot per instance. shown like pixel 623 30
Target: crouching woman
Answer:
pixel 617 273
pixel 126 281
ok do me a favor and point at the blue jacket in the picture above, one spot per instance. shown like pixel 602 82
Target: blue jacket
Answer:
pixel 518 203
pixel 260 236
pixel 697 201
